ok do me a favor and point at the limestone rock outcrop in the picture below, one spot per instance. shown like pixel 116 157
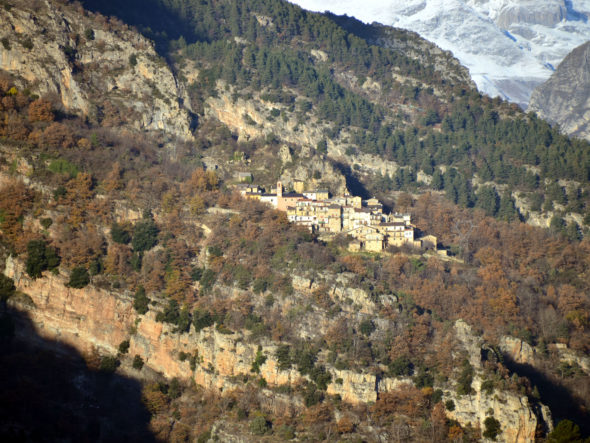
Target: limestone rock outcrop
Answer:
pixel 95 320
pixel 252 118
pixel 518 418
pixel 249 119
pixel 97 67
pixel 470 342
pixel 355 299
pixel 573 358
pixel 551 14
pixel 519 350
pixel 565 98
pixel 518 421
pixel 91 319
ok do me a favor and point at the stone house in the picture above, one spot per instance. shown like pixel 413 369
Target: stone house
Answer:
pixel 363 220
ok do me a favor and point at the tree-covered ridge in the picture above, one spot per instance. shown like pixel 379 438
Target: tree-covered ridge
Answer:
pixel 268 45
pixel 476 138
pixel 265 22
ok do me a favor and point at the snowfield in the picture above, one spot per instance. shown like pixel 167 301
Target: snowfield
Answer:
pixel 509 46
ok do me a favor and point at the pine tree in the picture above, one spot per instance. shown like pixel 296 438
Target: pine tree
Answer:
pixel 565 432
pixel 140 301
pixel 426 165
pixel 485 172
pixel 145 234
pixel 40 258
pixel 556 193
pixel 464 193
pixel 507 210
pixel 437 182
pixel 572 232
pixel 79 278
pixel 488 200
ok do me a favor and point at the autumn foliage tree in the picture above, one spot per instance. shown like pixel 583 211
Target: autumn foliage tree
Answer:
pixel 40 110
pixel 16 200
pixel 80 191
pixel 202 180
pixel 58 135
pixel 113 181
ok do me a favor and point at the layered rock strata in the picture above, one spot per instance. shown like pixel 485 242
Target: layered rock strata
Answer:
pixel 94 320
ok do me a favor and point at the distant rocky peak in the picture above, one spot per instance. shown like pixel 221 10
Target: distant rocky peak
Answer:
pixel 565 98
pixel 509 46
pixel 547 13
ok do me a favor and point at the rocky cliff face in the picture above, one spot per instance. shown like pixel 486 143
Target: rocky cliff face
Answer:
pixel 518 350
pixel 517 416
pixel 91 319
pixel 518 421
pixel 96 67
pixel 252 119
pixel 523 353
pixel 551 14
pixel 565 98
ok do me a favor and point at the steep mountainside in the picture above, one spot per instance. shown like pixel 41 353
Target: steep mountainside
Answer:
pixel 318 81
pixel 124 239
pixel 509 46
pixel 565 98
pixel 95 66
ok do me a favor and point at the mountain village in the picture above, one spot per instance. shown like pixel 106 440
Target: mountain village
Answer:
pixel 326 215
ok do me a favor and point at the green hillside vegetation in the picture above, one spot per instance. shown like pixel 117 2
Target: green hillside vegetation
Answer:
pixel 451 125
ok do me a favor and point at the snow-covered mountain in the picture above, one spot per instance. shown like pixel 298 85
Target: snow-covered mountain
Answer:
pixel 509 46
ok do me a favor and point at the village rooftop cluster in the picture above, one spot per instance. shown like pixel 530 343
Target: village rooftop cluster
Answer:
pixel 327 215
